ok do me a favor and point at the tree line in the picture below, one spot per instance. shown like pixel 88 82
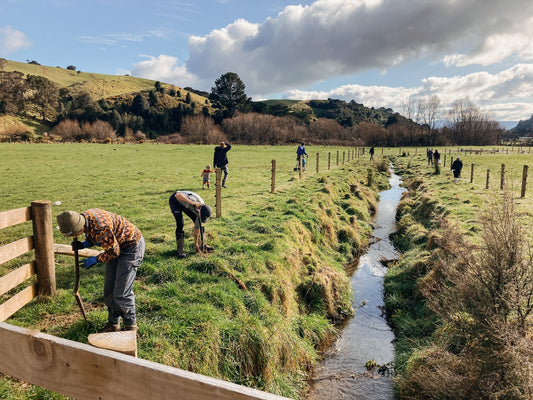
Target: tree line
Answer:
pixel 227 113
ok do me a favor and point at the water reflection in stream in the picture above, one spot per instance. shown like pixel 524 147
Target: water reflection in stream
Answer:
pixel 367 336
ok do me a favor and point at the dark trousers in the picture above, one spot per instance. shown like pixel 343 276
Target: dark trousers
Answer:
pixel 177 211
pixel 118 284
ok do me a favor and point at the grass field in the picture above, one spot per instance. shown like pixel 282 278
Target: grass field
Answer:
pixel 289 248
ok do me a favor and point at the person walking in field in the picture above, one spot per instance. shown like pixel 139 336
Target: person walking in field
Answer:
pixel 429 154
pixel 456 168
pixel 123 246
pixel 206 176
pixel 300 155
pixel 436 157
pixel 371 153
pixel 190 203
pixel 220 160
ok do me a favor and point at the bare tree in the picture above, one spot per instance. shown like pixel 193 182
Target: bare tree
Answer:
pixel 469 125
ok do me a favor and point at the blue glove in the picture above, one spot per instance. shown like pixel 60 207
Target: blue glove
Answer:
pixel 89 262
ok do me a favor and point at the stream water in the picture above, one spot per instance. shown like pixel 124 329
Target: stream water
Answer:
pixel 367 336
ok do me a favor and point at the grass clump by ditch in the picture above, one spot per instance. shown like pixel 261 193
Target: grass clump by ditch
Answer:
pixel 255 312
pixel 460 298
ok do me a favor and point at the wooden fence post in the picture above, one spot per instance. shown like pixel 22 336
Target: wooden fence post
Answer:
pixel 524 181
pixel 317 161
pixel 472 173
pixel 329 160
pixel 273 183
pixel 343 157
pixel 502 177
pixel 488 177
pixel 218 192
pixel 43 240
pixel 337 158
pixel 300 166
pixel 444 164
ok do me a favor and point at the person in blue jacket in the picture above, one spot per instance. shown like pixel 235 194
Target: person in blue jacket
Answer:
pixel 300 152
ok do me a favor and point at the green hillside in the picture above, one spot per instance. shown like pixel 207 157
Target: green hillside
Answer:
pixel 98 85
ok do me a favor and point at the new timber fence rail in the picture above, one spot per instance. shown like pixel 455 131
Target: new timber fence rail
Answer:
pixel 74 369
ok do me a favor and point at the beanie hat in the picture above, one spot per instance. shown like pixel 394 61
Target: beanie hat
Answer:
pixel 205 212
pixel 70 223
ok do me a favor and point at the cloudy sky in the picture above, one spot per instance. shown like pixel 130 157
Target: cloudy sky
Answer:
pixel 377 52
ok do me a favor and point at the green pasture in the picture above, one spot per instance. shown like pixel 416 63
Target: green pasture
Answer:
pixel 289 248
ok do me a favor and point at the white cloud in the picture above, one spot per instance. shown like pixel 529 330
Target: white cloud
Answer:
pixel 498 47
pixel 507 95
pixel 303 45
pixel 12 41
pixel 306 44
pixel 165 69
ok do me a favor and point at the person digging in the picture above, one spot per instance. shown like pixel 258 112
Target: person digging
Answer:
pixel 123 246
pixel 190 203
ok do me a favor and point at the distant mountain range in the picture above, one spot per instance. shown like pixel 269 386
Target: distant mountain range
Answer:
pixel 523 128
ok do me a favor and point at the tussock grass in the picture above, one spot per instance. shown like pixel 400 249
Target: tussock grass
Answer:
pixel 288 248
pixel 449 343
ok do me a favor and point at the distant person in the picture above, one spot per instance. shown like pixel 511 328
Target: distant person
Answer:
pixel 371 153
pixel 193 205
pixel 206 176
pixel 436 157
pixel 456 168
pixel 220 160
pixel 429 155
pixel 123 246
pixel 300 155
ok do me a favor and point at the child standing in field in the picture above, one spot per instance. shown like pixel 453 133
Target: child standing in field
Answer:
pixel 206 176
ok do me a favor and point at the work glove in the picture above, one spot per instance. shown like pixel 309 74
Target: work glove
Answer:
pixel 77 245
pixel 89 262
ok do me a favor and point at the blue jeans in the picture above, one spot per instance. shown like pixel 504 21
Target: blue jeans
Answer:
pixel 118 284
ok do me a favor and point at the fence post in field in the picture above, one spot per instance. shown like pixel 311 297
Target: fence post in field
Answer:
pixel 488 177
pixel 444 161
pixel 317 160
pixel 300 166
pixel 218 192
pixel 343 157
pixel 472 173
pixel 524 181
pixel 43 241
pixel 329 160
pixel 337 158
pixel 502 177
pixel 273 182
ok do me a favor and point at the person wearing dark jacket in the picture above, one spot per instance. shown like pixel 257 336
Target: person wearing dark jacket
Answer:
pixel 220 160
pixel 457 166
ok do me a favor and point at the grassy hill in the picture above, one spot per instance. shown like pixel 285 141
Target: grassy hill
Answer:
pixel 98 85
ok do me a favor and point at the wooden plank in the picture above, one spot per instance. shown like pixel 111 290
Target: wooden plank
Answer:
pixel 15 303
pixel 14 217
pixel 83 372
pixel 15 249
pixel 16 277
pixel 66 249
pixel 122 341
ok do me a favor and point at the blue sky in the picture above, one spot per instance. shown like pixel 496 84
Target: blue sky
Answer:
pixel 382 53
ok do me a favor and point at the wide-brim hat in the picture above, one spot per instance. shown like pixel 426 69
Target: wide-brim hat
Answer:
pixel 70 223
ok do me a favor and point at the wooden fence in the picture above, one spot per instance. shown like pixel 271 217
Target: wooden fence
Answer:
pixel 42 241
pixel 78 370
